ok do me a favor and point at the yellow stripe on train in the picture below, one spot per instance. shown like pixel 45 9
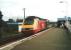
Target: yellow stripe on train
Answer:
pixel 26 26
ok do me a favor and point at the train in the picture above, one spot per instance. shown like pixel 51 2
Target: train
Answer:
pixel 32 25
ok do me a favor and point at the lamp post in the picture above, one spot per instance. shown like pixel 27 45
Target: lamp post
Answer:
pixel 66 8
pixel 24 15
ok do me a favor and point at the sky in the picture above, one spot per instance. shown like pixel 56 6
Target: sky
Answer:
pixel 48 9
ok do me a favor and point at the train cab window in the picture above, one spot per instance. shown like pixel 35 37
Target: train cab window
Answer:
pixel 28 22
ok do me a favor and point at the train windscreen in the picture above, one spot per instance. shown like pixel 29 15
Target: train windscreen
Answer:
pixel 28 22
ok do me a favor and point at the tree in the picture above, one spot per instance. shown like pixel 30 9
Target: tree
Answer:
pixel 3 25
pixel 0 24
pixel 1 15
pixel 11 20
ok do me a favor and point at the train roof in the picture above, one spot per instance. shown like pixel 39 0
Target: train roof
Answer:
pixel 33 17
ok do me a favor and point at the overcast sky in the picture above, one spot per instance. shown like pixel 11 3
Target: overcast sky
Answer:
pixel 49 9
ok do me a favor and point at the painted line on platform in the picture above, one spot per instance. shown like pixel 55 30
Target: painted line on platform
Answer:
pixel 12 45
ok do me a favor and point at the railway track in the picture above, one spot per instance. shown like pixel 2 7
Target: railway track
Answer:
pixel 10 39
pixel 14 38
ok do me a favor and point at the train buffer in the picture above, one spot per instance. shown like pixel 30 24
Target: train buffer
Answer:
pixel 53 39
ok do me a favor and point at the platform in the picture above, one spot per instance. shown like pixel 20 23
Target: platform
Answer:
pixel 54 39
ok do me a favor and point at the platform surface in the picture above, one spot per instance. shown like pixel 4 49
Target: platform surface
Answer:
pixel 54 39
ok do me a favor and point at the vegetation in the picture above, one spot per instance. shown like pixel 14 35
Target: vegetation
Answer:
pixel 6 29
